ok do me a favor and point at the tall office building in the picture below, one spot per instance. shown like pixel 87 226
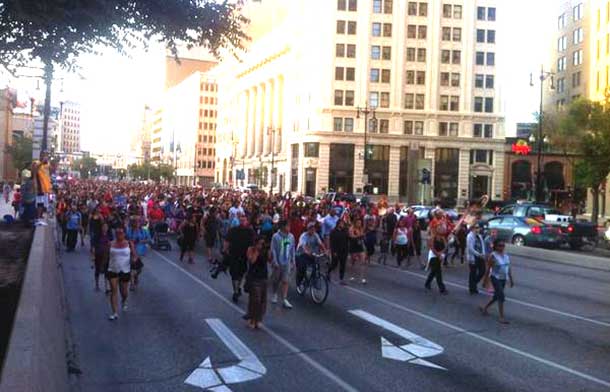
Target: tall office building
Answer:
pixel 427 68
pixel 69 127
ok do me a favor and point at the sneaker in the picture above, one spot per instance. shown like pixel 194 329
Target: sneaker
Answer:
pixel 113 317
pixel 274 299
pixel 287 304
pixel 124 308
pixel 363 281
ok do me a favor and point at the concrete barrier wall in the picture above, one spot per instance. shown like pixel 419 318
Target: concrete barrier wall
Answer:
pixel 36 357
pixel 581 259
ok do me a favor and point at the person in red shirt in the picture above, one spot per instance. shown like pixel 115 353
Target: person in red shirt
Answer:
pixel 155 214
pixel 104 210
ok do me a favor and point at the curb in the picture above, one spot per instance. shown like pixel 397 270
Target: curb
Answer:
pixel 561 257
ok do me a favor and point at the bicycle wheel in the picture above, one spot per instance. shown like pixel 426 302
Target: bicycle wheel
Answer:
pixel 319 289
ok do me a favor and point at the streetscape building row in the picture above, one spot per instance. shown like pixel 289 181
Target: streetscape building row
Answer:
pixel 424 74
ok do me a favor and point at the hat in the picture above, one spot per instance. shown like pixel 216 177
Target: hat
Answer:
pixel 25 173
pixel 311 225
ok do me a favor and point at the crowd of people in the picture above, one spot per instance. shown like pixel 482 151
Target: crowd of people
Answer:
pixel 265 240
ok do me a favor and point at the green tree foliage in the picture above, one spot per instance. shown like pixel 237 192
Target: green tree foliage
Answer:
pixel 147 170
pixel 85 166
pixel 57 32
pixel 20 152
pixel 586 130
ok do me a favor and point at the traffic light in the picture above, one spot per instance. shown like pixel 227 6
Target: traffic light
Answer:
pixel 426 176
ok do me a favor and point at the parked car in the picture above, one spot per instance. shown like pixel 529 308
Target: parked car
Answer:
pixel 578 234
pixel 523 231
pixel 341 196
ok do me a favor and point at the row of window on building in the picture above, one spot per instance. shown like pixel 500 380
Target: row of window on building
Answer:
pixel 414 127
pixel 206 152
pixel 207 113
pixel 206 164
pixel 577 14
pixel 420 9
pixel 204 126
pixel 206 139
pixel 447 79
pixel 208 100
pixel 577 59
pixel 419 32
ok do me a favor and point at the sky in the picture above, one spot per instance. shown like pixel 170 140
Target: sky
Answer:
pixel 115 89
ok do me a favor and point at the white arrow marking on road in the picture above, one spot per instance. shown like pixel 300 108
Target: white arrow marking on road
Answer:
pixel 412 352
pixel 247 369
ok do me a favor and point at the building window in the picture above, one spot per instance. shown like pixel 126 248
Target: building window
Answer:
pixel 561 21
pixel 311 150
pixel 577 36
pixel 419 101
pixel 350 74
pixel 456 57
pixel 489 81
pixel 384 126
pixel 385 100
pixel 351 28
pixel 454 105
pixel 479 81
pixel 448 129
pixel 445 79
pixel 481 156
pixel 491 58
pixel 447 11
pixel 457 34
pixel 444 102
pixel 489 105
pixel 374 99
pixel 376 29
pixel 421 78
pixel 422 32
pixel 348 124
pixel 409 101
pixel 385 76
pixel 481 15
pixel 341 27
pixel 478 104
pixel 341 5
pixel 412 31
pixel 351 51
pixel 386 53
pixel 421 55
pixel 338 97
pixel 446 34
pixel 375 52
pixel 576 79
pixel 577 57
pixel 353 5
pixel 577 11
pixel 410 54
pixel 491 36
pixel 374 78
pixel 410 78
pixel 412 8
pixel 480 36
pixel 349 98
pixel 387 29
pixel 340 50
pixel 423 9
pixel 483 131
pixel 339 73
pixel 445 56
pixel 377 6
pixel 455 80
pixel 457 12
pixel 407 128
pixel 337 124
pixel 561 64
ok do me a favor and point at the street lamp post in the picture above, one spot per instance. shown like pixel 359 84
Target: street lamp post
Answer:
pixel 366 111
pixel 544 75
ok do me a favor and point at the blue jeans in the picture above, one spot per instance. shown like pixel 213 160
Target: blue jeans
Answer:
pixel 303 261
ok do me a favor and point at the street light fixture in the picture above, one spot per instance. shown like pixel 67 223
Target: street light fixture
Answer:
pixel 542 139
pixel 366 111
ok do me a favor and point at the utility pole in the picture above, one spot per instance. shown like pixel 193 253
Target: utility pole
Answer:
pixel 544 75
pixel 366 111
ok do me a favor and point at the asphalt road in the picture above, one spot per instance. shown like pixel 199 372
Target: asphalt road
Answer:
pixel 557 340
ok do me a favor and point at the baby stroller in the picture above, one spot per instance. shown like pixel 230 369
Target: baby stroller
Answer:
pixel 161 237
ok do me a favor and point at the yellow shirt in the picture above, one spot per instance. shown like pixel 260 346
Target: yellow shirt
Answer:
pixel 43 178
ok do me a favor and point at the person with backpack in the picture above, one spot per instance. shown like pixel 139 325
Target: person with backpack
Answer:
pixel 73 227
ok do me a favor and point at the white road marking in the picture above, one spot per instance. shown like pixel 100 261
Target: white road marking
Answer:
pixel 483 338
pixel 247 369
pixel 316 365
pixel 419 348
pixel 523 303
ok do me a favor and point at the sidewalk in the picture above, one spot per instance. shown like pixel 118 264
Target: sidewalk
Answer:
pixel 562 257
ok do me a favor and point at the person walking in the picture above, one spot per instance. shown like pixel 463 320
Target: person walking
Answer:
pixel 188 238
pixel 497 272
pixel 339 245
pixel 438 247
pixel 211 228
pixel 256 282
pixel 356 248
pixel 475 254
pixel 119 271
pixel 101 255
pixel 139 238
pixel 283 261
pixel 73 227
pixel 236 245
pixel 401 242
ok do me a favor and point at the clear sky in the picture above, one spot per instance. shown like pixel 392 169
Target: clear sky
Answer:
pixel 116 88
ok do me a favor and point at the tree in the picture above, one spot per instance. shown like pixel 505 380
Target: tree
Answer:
pixel 57 32
pixel 20 151
pixel 590 123
pixel 85 166
pixel 147 170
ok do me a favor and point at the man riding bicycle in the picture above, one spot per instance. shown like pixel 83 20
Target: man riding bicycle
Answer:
pixel 310 245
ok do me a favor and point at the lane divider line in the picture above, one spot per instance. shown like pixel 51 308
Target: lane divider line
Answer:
pixel 483 338
pixel 523 303
pixel 315 364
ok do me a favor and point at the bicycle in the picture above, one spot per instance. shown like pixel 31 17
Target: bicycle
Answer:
pixel 315 280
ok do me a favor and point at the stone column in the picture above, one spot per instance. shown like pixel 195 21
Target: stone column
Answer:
pixel 260 120
pixel 394 173
pixel 242 130
pixel 252 121
pixel 268 123
pixel 323 166
pixel 464 176
pixel 499 162
pixel 358 167
pixel 278 113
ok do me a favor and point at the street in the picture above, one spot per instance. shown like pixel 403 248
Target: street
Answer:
pixel 180 320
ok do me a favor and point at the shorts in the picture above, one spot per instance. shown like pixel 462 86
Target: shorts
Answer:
pixel 123 276
pixel 138 265
pixel 237 268
pixel 43 201
pixel 210 240
pixel 282 273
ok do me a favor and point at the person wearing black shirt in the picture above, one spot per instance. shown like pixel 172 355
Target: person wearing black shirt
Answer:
pixel 236 245
pixel 256 282
pixel 339 240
